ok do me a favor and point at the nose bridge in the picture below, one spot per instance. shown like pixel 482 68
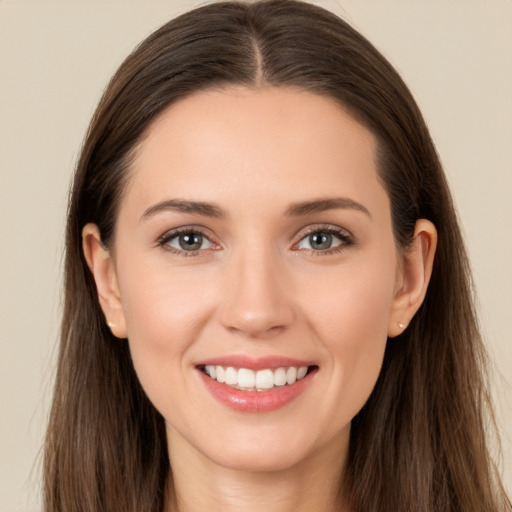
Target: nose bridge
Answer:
pixel 255 296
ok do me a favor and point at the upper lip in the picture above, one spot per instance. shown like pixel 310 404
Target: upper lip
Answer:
pixel 254 363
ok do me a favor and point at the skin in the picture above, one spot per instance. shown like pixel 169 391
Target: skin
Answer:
pixel 257 287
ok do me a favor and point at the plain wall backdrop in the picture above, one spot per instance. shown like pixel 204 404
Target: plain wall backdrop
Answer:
pixel 56 58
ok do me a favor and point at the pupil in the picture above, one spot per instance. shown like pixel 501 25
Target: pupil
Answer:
pixel 320 240
pixel 191 241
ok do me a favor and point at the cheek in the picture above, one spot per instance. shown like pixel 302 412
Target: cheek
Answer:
pixel 164 313
pixel 351 322
pixel 162 305
pixel 353 303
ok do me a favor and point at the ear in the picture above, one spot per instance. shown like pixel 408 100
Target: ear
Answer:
pixel 101 264
pixel 413 277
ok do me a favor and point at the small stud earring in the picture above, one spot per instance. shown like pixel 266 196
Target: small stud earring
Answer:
pixel 111 325
pixel 401 325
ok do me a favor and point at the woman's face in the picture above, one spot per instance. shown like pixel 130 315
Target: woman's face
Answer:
pixel 254 243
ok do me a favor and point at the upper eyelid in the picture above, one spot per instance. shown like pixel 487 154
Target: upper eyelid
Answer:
pixel 174 232
pixel 331 228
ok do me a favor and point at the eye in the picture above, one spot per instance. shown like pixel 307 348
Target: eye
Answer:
pixel 187 241
pixel 324 240
pixel 319 241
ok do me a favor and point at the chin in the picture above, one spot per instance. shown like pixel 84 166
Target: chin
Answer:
pixel 259 461
pixel 268 451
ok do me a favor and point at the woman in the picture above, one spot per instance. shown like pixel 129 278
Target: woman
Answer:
pixel 267 297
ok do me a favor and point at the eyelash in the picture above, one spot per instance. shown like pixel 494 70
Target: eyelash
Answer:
pixel 346 240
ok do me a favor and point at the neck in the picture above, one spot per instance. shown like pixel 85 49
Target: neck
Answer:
pixel 199 484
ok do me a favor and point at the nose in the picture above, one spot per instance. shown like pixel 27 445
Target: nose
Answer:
pixel 256 293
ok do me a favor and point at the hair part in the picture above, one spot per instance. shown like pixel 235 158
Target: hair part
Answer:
pixel 419 442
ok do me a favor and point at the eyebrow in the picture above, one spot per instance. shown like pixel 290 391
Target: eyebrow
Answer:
pixel 184 206
pixel 295 210
pixel 322 205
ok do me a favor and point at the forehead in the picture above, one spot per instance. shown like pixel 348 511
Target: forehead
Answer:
pixel 279 144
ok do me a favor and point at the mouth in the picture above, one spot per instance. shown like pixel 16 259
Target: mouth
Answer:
pixel 265 379
pixel 256 385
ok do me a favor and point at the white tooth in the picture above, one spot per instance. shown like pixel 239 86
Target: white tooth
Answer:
pixel 230 376
pixel 264 379
pixel 210 370
pixel 280 377
pixel 291 375
pixel 301 372
pixel 219 374
pixel 245 378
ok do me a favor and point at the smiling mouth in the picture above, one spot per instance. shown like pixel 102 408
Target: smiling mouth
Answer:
pixel 246 379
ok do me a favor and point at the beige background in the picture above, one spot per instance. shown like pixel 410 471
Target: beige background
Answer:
pixel 56 57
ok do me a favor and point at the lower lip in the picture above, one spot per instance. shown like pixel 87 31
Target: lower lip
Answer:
pixel 255 401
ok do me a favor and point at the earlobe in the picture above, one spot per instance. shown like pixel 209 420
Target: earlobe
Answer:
pixel 100 263
pixel 415 271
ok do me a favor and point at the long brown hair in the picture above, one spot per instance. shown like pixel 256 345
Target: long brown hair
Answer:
pixel 419 442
